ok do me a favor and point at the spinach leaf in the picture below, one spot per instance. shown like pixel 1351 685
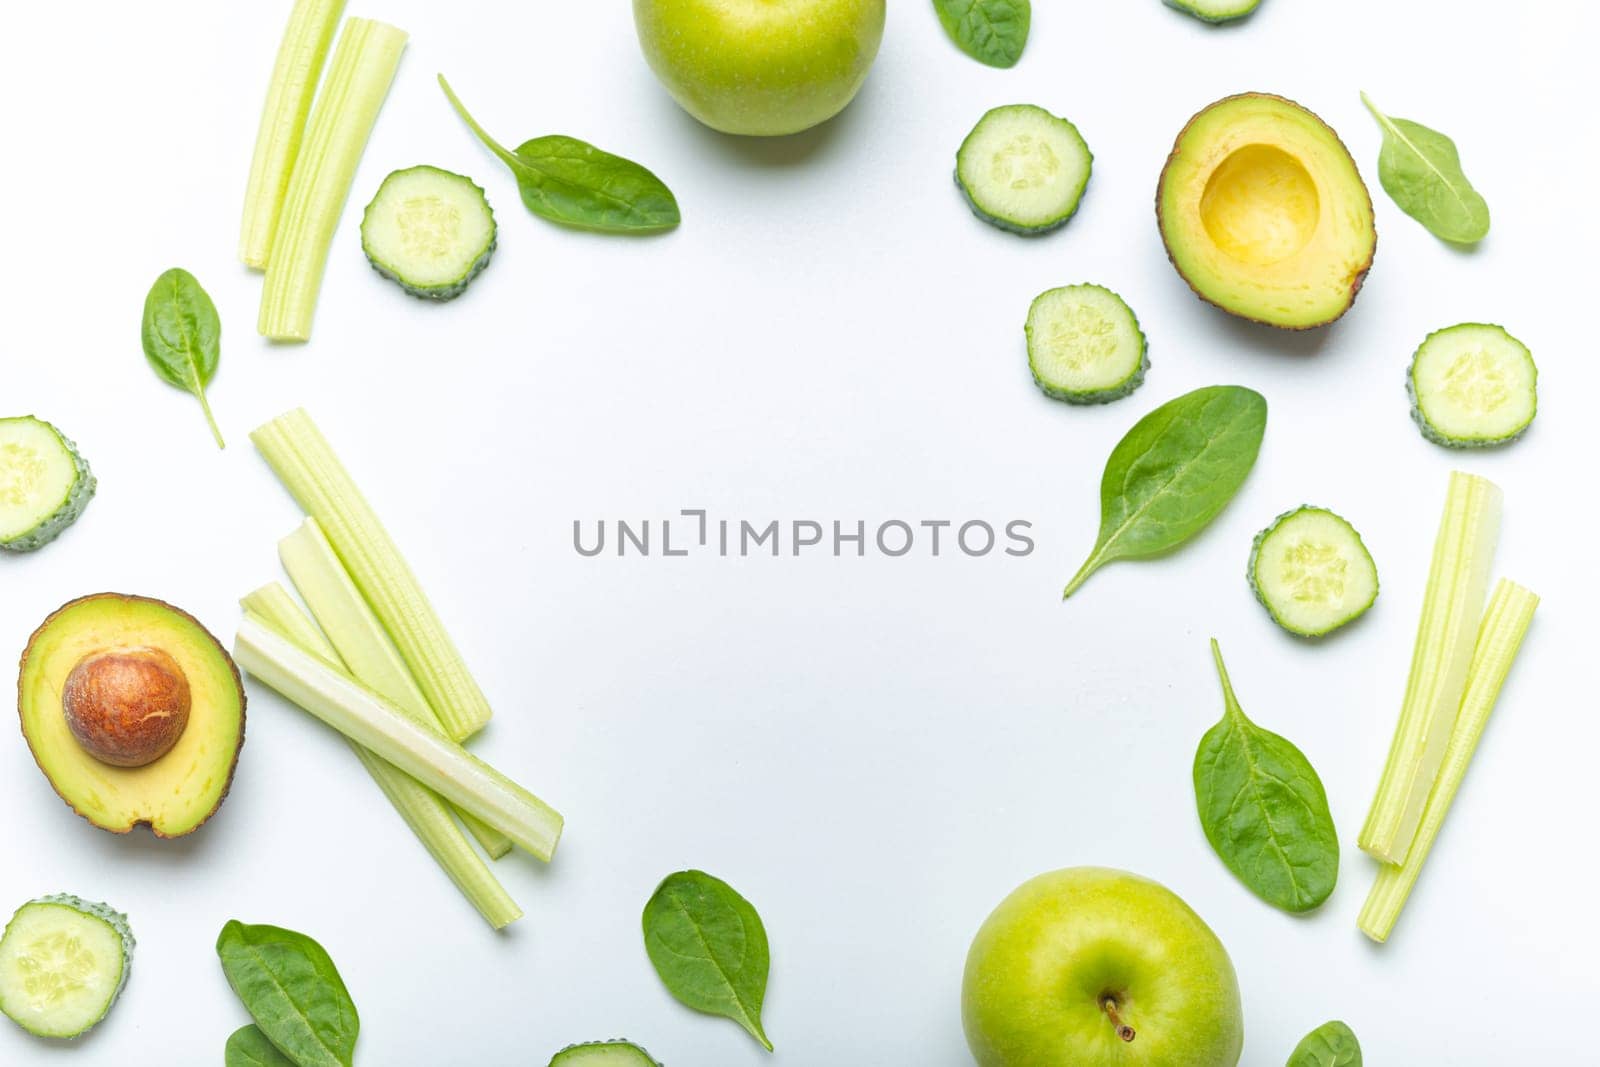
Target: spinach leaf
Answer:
pixel 1264 810
pixel 572 182
pixel 249 1047
pixel 182 336
pixel 1332 1044
pixel 293 991
pixel 993 32
pixel 1421 171
pixel 1174 472
pixel 709 947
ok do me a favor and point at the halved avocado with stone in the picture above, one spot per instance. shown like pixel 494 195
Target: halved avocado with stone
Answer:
pixel 133 711
pixel 1264 213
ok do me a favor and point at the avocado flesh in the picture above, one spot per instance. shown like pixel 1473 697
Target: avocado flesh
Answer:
pixel 180 790
pixel 1264 213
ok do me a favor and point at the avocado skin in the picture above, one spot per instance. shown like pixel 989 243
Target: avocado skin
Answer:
pixel 1166 239
pixel 216 646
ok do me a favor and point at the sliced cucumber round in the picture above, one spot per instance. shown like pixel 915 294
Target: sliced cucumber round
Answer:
pixel 1312 572
pixel 44 483
pixel 63 961
pixel 430 230
pixel 1085 345
pixel 603 1054
pixel 1472 386
pixel 1215 10
pixel 1023 169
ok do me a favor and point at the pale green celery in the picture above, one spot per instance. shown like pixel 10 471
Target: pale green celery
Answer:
pixel 372 722
pixel 1458 581
pixel 305 46
pixel 273 605
pixel 300 456
pixel 1504 626
pixel 273 608
pixel 363 646
pixel 364 65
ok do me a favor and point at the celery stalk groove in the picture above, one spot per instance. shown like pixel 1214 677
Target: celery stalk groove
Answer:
pixel 1499 638
pixel 364 65
pixel 363 647
pixel 1458 581
pixel 420 807
pixel 300 456
pixel 372 722
pixel 301 56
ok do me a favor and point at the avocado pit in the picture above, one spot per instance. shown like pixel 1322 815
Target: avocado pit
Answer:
pixel 128 706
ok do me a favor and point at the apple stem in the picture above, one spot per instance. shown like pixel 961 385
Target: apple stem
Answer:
pixel 1108 1005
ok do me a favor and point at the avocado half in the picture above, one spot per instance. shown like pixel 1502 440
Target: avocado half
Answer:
pixel 133 711
pixel 1264 213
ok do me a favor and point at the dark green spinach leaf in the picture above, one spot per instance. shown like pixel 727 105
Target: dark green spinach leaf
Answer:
pixel 576 184
pixel 293 991
pixel 1332 1044
pixel 1264 810
pixel 249 1047
pixel 993 32
pixel 709 947
pixel 1174 472
pixel 1420 169
pixel 182 336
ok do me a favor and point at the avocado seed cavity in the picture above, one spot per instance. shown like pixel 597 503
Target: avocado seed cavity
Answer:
pixel 1260 206
pixel 126 706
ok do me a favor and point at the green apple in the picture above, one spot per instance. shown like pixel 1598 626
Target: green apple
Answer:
pixel 1089 967
pixel 761 67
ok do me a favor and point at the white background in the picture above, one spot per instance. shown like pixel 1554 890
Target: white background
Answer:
pixel 873 751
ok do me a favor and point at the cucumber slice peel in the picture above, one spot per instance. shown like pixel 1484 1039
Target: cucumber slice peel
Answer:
pixel 1472 386
pixel 1085 345
pixel 44 484
pixel 63 963
pixel 1215 10
pixel 1023 169
pixel 1312 572
pixel 429 230
pixel 603 1054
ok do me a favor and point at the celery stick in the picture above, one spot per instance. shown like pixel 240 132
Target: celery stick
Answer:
pixel 1457 583
pixel 364 65
pixel 420 807
pixel 369 720
pixel 297 452
pixel 283 122
pixel 1504 625
pixel 273 605
pixel 366 651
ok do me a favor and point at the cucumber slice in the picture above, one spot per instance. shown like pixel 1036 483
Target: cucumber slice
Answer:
pixel 603 1054
pixel 1023 169
pixel 63 961
pixel 1472 386
pixel 44 483
pixel 430 230
pixel 1085 345
pixel 1215 10
pixel 1312 572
